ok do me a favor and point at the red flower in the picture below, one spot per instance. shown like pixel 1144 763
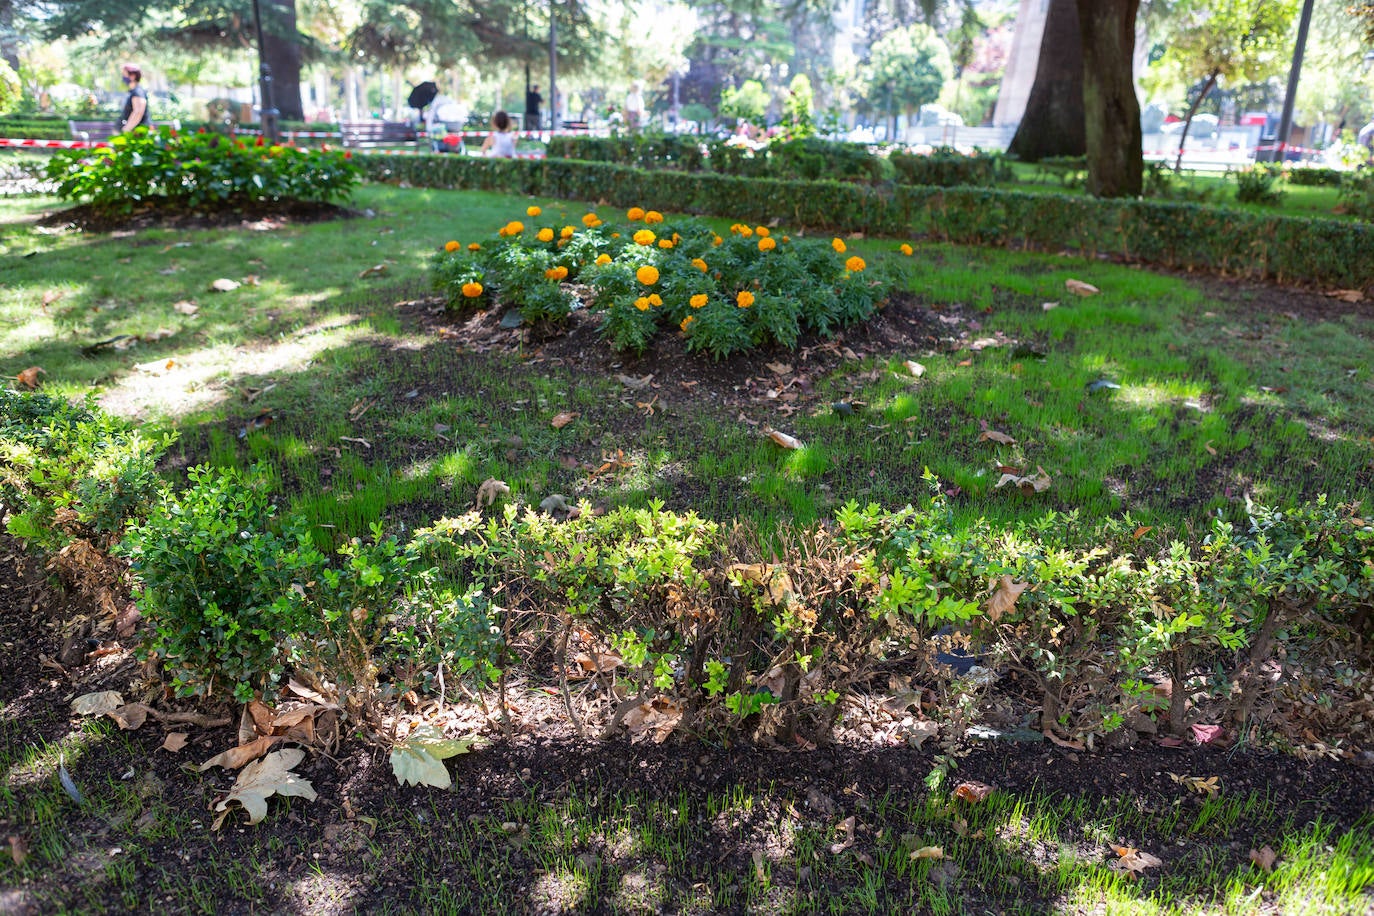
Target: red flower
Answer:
pixel 258 142
pixel 348 154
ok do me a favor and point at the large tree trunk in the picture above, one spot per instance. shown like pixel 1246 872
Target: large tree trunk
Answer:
pixel 1053 121
pixel 283 55
pixel 1110 106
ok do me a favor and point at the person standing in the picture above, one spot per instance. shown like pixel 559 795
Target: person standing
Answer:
pixel 634 107
pixel 532 102
pixel 135 113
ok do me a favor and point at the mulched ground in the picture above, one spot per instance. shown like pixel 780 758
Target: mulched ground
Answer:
pixel 258 215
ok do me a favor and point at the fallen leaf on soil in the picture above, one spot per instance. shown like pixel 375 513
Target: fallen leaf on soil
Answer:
pixel 603 662
pixel 130 716
pixel 760 873
pixel 1132 861
pixel 29 377
pixel 973 792
pixel 984 343
pixel 1061 742
pixel 992 435
pixel 915 368
pixel 419 759
pixel 1003 600
pixel 1047 306
pixel 1208 445
pixel 1265 858
pixel 489 490
pixel 965 362
pixel 19 850
pixel 256 720
pixel 557 502
pixel 1170 741
pixel 376 270
pixel 778 368
pixel 846 827
pixel 100 703
pixel 174 742
pixel 1142 531
pixel 236 757
pixel 563 419
pixel 638 384
pixel 1079 288
pixel 50 296
pixel 1346 295
pixel 261 780
pixel 1206 734
pixel 305 692
pixel 225 285
pixel 928 852
pixel 1025 483
pixel 917 734
pixel 185 307
pixel 659 715
pixel 784 440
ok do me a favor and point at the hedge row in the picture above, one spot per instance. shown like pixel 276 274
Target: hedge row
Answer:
pixel 1167 234
pixel 809 159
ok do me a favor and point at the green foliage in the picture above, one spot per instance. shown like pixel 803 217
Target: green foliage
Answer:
pixel 722 294
pixel 1230 39
pixel 808 158
pixel 197 171
pixel 223 588
pixel 947 168
pixel 1256 185
pixel 1357 194
pixel 1313 176
pixel 70 471
pixel 749 102
pixel 11 92
pixel 908 67
pixel 798 122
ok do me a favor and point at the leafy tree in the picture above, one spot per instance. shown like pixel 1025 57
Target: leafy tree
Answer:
pixel 912 64
pixel 10 90
pixel 1222 40
pixel 797 119
pixel 1365 13
pixel 749 101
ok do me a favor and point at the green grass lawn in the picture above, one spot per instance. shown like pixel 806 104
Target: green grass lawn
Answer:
pixel 1219 399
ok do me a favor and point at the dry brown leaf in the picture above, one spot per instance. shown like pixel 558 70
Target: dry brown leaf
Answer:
pixel 928 852
pixel 262 779
pixel 915 368
pixel 1003 600
pixel 992 435
pixel 658 716
pixel 100 703
pixel 376 270
pixel 1132 861
pixel 489 490
pixel 600 664
pixel 185 307
pixel 236 757
pixel 1264 857
pixel 1347 295
pixel 563 419
pixel 973 792
pixel 225 285
pixel 772 577
pixel 1025 483
pixel 784 440
pixel 29 377
pixel 307 693
pixel 1079 288
pixel 984 343
pixel 1047 306
pixel 1208 445
pixel 19 850
pixel 1061 742
pixel 174 741
pixel 778 368
pixel 260 715
pixel 637 384
pixel 130 716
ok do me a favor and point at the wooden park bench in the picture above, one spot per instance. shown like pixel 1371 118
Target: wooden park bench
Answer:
pixel 92 131
pixel 377 133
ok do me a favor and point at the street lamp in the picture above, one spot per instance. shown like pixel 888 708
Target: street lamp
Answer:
pixel 269 110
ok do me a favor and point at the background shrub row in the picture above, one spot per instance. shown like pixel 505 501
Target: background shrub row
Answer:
pixel 1167 234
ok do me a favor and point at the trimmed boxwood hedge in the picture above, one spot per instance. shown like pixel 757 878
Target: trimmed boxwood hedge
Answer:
pixel 1178 235
pixel 810 159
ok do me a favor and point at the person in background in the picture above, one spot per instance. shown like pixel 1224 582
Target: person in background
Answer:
pixel 135 112
pixel 1366 138
pixel 532 102
pixel 500 143
pixel 634 107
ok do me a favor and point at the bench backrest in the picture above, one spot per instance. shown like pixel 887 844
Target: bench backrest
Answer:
pixel 92 130
pixel 366 133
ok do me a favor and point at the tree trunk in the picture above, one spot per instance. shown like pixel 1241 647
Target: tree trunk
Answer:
pixel 1111 109
pixel 1188 118
pixel 1052 124
pixel 283 55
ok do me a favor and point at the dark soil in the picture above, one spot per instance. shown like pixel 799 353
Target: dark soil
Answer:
pixel 257 215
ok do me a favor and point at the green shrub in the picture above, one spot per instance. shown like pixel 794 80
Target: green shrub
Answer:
pixel 1357 194
pixel 222 586
pixel 69 471
pixel 1257 185
pixel 722 294
pixel 1313 176
pixel 947 168
pixel 191 171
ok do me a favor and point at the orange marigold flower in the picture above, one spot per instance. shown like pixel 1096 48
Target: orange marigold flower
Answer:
pixel 655 299
pixel 642 303
pixel 603 259
pixel 697 301
pixel 686 321
pixel 545 234
pixel 905 249
pixel 567 232
pixel 452 246
pixel 761 231
pixel 556 273
pixel 590 220
pixel 472 289
pixel 838 245
pixel 746 231
pixel 644 237
pixel 648 275
pixel 699 264
pixel 855 264
pixel 665 243
pixel 767 244
pixel 745 299
pixel 635 214
pixel 473 246
pixel 515 227
pixel 533 211
pixel 716 240
pixel 653 216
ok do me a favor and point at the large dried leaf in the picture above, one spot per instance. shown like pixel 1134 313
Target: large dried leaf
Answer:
pixel 264 778
pixel 1265 858
pixel 992 435
pixel 915 368
pixel 225 285
pixel 1026 483
pixel 419 759
pixel 236 757
pixel 1132 861
pixel 1003 600
pixel 130 716
pixel 174 741
pixel 489 490
pixel 1079 288
pixel 29 377
pixel 784 440
pixel 101 703
pixel 973 792
pixel 658 716
pixel 562 419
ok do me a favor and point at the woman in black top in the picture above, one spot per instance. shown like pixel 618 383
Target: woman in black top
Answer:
pixel 136 105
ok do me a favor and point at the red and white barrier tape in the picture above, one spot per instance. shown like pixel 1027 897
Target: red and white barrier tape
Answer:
pixel 23 143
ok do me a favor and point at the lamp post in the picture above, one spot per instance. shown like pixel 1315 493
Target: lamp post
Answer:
pixel 1289 97
pixel 269 109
